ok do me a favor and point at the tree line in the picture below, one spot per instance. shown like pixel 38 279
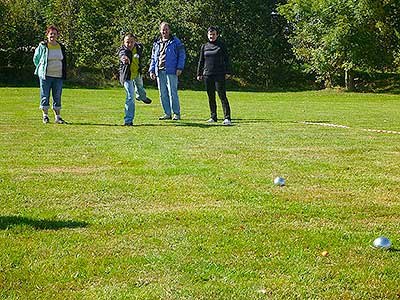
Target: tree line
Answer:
pixel 271 42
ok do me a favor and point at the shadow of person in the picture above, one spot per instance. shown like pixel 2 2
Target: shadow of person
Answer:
pixel 7 222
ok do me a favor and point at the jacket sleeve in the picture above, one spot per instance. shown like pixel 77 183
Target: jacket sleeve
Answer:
pixel 200 65
pixel 226 60
pixel 64 62
pixel 121 52
pixel 152 68
pixel 181 56
pixel 37 55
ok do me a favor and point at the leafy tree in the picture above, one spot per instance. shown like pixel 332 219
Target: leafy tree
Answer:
pixel 92 31
pixel 333 36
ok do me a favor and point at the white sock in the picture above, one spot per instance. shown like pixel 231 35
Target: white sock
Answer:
pixel 58 117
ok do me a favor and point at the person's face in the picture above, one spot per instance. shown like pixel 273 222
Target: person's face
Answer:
pixel 52 35
pixel 129 42
pixel 212 35
pixel 164 30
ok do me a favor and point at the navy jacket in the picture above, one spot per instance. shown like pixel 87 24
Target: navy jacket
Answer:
pixel 125 69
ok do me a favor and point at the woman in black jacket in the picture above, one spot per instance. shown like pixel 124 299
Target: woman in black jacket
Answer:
pixel 214 69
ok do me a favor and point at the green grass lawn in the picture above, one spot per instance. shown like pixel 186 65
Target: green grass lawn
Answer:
pixel 185 210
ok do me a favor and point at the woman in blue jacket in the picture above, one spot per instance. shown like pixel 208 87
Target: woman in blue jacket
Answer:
pixel 167 62
pixel 51 64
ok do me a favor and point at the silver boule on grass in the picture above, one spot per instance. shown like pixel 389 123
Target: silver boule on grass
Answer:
pixel 279 181
pixel 382 243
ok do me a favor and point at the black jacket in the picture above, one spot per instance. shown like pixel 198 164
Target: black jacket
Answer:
pixel 125 69
pixel 214 59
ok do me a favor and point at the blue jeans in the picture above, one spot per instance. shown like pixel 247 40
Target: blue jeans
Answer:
pixel 133 87
pixel 168 87
pixel 55 85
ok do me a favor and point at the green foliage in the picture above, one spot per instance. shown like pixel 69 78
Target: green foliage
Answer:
pixel 336 35
pixel 92 31
pixel 326 37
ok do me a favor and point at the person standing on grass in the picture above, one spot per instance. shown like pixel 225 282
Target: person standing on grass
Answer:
pixel 167 62
pixel 214 69
pixel 130 75
pixel 51 65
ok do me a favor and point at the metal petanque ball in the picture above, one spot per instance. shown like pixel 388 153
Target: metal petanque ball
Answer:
pixel 382 243
pixel 279 181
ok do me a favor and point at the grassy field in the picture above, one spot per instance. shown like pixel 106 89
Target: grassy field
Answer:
pixel 186 210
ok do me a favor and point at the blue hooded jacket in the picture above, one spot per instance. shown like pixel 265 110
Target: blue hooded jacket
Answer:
pixel 175 56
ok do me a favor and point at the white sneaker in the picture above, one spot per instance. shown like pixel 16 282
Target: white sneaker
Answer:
pixel 211 121
pixel 227 122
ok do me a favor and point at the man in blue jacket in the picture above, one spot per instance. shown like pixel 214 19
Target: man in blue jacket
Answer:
pixel 167 62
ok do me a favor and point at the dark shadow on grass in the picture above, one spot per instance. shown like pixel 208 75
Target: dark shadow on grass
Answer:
pixel 161 124
pixel 7 222
pixel 394 250
pixel 200 123
pixel 92 124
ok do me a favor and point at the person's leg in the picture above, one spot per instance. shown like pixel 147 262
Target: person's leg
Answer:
pixel 56 90
pixel 221 89
pixel 44 99
pixel 172 85
pixel 210 87
pixel 140 92
pixel 129 102
pixel 164 96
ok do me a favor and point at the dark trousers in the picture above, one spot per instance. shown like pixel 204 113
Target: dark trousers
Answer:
pixel 217 83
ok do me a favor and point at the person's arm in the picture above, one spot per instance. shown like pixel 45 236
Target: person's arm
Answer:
pixel 181 58
pixel 228 70
pixel 37 55
pixel 200 65
pixel 122 53
pixel 152 68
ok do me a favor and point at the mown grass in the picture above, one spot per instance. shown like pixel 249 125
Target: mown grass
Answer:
pixel 186 210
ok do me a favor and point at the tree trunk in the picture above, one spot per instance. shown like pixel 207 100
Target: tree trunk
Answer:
pixel 328 81
pixel 349 80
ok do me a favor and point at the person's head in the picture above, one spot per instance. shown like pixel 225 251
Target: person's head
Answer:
pixel 212 33
pixel 165 30
pixel 129 40
pixel 52 33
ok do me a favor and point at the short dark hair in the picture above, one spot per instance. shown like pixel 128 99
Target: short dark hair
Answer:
pixel 51 27
pixel 213 28
pixel 130 35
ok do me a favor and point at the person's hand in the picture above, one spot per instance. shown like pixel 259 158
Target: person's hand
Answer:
pixel 178 72
pixel 125 59
pixel 199 78
pixel 153 76
pixel 227 76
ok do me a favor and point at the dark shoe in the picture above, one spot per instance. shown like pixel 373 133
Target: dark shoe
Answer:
pixel 46 119
pixel 128 124
pixel 176 117
pixel 147 100
pixel 165 117
pixel 59 121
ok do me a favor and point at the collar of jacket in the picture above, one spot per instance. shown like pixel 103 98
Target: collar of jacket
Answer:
pixel 169 40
